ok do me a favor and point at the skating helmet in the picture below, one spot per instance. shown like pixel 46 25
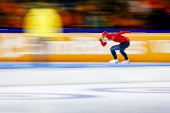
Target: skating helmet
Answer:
pixel 105 34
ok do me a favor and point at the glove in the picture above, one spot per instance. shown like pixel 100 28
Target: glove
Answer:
pixel 102 43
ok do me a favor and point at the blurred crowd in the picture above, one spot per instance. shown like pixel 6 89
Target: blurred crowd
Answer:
pixel 92 14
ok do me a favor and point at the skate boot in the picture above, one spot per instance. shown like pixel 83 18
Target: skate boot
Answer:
pixel 125 62
pixel 114 61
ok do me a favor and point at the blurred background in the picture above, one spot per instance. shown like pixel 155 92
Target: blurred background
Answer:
pixel 92 14
pixel 32 79
pixel 43 26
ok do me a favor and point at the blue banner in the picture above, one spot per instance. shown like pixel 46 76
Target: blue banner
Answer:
pixel 90 31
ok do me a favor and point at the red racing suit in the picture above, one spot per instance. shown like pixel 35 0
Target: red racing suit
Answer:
pixel 117 37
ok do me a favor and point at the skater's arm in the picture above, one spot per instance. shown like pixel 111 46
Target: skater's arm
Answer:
pixel 122 32
pixel 103 43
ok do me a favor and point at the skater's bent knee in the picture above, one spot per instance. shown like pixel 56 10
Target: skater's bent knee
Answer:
pixel 122 51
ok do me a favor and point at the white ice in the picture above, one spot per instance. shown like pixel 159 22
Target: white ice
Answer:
pixel 114 90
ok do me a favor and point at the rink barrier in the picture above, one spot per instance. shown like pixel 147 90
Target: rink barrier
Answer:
pixel 74 65
pixel 82 47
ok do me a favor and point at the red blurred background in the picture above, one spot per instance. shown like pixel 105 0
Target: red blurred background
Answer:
pixel 92 14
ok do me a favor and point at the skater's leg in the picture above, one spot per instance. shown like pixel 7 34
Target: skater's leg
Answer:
pixel 124 54
pixel 112 49
pixel 123 46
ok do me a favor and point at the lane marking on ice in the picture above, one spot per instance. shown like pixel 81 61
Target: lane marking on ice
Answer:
pixel 27 96
pixel 165 90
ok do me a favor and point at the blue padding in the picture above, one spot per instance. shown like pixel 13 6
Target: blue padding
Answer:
pixel 112 30
pixel 74 65
pixel 90 31
pixel 11 31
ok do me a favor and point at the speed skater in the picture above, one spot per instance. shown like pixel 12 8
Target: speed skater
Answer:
pixel 117 37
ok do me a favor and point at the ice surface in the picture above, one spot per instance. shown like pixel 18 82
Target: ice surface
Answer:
pixel 73 90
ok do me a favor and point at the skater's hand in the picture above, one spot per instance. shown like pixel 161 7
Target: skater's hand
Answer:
pixel 103 43
pixel 100 40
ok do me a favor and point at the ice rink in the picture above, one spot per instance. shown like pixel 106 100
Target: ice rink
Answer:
pixel 85 90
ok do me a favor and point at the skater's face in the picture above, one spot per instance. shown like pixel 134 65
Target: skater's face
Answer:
pixel 105 38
